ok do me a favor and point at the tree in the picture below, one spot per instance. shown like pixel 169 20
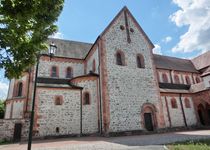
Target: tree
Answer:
pixel 25 26
pixel 2 109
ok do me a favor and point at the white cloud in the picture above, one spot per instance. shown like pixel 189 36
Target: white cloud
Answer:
pixel 3 90
pixel 157 49
pixel 57 35
pixel 167 39
pixel 196 15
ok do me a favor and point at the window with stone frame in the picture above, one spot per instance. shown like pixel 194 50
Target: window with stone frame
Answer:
pixel 174 103
pixel 187 103
pixel 176 79
pixel 120 58
pixel 86 98
pixel 187 78
pixel 19 89
pixel 69 72
pixel 197 80
pixel 140 61
pixel 54 71
pixel 165 78
pixel 58 100
pixel 94 66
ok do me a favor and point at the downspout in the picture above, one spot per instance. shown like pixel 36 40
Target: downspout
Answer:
pixel 80 112
pixel 180 98
pixel 100 101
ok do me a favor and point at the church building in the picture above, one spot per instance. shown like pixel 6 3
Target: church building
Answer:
pixel 113 86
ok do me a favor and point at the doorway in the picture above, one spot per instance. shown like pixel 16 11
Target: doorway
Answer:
pixel 148 121
pixel 17 132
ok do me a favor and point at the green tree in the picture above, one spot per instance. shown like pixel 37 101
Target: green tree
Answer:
pixel 25 25
pixel 2 109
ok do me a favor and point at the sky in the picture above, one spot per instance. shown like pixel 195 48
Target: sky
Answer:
pixel 179 28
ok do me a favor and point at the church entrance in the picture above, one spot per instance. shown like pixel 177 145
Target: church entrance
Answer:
pixel 148 121
pixel 148 114
pixel 17 132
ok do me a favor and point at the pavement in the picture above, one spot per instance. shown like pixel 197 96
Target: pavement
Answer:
pixel 137 142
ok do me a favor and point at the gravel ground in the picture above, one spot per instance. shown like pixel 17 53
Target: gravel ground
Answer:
pixel 138 142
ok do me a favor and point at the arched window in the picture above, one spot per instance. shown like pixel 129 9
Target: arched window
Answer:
pixel 69 72
pixel 187 80
pixel 165 78
pixel 19 89
pixel 120 58
pixel 187 103
pixel 58 100
pixel 94 66
pixel 174 103
pixel 86 98
pixel 197 80
pixel 176 78
pixel 140 61
pixel 54 71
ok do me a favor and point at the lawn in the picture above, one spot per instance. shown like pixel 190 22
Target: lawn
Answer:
pixel 191 145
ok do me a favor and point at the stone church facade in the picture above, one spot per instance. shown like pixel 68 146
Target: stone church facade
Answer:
pixel 116 85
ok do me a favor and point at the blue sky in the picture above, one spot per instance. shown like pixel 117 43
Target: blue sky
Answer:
pixel 176 27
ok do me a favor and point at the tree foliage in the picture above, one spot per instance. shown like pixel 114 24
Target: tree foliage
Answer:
pixel 25 26
pixel 2 109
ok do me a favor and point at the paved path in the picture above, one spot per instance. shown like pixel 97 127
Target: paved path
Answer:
pixel 138 142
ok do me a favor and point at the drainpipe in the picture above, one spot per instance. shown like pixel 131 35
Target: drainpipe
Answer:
pixel 180 98
pixel 80 112
pixel 100 101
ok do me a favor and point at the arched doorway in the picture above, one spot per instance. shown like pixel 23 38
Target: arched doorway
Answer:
pixel 148 115
pixel 201 114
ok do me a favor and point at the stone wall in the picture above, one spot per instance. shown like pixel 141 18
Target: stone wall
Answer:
pixel 206 81
pixel 90 113
pixel 7 128
pixel 128 87
pixel 176 114
pixel 66 117
pixel 45 68
pixel 93 57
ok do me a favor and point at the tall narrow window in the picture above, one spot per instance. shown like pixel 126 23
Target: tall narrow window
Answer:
pixel 140 61
pixel 54 71
pixel 19 89
pixel 188 80
pixel 86 98
pixel 119 59
pixel 174 103
pixel 165 78
pixel 94 66
pixel 58 100
pixel 187 103
pixel 176 78
pixel 69 72
pixel 197 80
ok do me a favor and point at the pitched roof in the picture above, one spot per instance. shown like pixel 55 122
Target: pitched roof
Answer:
pixel 202 61
pixel 71 49
pixel 172 63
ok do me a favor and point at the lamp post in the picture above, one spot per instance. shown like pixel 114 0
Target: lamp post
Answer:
pixel 52 51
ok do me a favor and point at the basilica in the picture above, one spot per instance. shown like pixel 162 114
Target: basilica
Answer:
pixel 115 85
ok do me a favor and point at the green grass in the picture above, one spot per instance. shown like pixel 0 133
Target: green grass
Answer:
pixel 191 145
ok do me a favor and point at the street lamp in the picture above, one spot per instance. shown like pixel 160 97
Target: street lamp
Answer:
pixel 52 51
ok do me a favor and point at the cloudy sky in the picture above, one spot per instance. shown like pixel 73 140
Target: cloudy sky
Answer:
pixel 178 28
